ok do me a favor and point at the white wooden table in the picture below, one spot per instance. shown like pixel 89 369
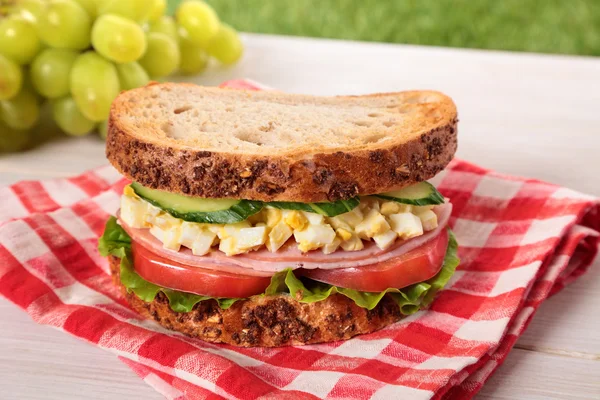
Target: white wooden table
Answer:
pixel 530 115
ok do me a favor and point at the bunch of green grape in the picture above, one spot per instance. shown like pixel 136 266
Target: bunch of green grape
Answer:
pixel 75 56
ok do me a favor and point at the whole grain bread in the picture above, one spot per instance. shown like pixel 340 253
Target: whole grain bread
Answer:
pixel 273 146
pixel 266 321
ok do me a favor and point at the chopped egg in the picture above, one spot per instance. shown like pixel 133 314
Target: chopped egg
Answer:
pixel 353 244
pixel 214 228
pixel 344 234
pixel 338 223
pixel 420 209
pixel 228 247
pixel 295 219
pixel 129 192
pixel 392 207
pixel 133 212
pixel 166 221
pixel 428 220
pixel 230 230
pixel 256 218
pixel 279 234
pixel 373 224
pixel 158 233
pixel 169 237
pixel 406 225
pixel 153 211
pixel 313 218
pixel 248 238
pixel 273 216
pixel 314 236
pixel 385 240
pixel 331 247
pixel 352 218
pixel 189 232
pixel 203 242
pixel 369 203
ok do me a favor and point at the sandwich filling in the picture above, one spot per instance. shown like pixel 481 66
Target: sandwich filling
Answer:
pixel 196 249
pixel 374 219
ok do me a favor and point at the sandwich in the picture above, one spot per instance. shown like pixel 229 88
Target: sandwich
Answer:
pixel 259 218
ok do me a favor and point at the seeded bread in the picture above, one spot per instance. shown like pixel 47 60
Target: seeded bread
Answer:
pixel 266 321
pixel 272 146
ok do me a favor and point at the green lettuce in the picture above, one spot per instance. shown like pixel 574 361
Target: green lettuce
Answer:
pixel 116 242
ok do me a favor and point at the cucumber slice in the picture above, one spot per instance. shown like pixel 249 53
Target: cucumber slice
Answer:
pixel 196 209
pixel 420 194
pixel 326 209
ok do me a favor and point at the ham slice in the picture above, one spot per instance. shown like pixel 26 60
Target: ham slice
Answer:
pixel 265 263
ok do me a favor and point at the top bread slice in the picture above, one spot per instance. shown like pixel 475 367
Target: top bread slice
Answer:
pixel 272 146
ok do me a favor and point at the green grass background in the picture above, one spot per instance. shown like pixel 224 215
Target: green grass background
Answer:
pixel 546 26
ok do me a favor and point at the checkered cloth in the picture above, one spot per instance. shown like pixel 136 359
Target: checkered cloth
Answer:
pixel 521 240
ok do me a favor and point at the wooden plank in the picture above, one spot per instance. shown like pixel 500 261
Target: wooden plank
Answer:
pixel 567 323
pixel 40 362
pixel 528 375
pixel 65 157
pixel 8 178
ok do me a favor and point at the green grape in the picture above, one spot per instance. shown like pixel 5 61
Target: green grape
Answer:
pixel 161 57
pixel 193 57
pixel 226 46
pixel 199 20
pixel 20 112
pixel 94 85
pixel 69 118
pixel 118 39
pixel 165 25
pixel 90 6
pixel 11 78
pixel 65 25
pixel 157 10
pixel 12 140
pixel 31 10
pixel 103 129
pixel 50 72
pixel 18 40
pixel 132 76
pixel 28 86
pixel 47 128
pixel 136 10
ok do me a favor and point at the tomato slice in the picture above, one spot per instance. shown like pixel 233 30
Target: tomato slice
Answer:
pixel 207 282
pixel 417 265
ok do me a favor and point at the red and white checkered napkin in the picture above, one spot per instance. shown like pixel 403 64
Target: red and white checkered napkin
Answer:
pixel 520 240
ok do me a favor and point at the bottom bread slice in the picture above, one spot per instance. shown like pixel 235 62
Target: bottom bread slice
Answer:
pixel 266 321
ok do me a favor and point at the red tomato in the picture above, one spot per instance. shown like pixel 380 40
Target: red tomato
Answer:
pixel 417 265
pixel 173 275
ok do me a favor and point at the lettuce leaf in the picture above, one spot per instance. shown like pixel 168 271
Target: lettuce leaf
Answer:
pixel 116 242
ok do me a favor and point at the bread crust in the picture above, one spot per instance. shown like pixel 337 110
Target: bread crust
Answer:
pixel 266 321
pixel 305 176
